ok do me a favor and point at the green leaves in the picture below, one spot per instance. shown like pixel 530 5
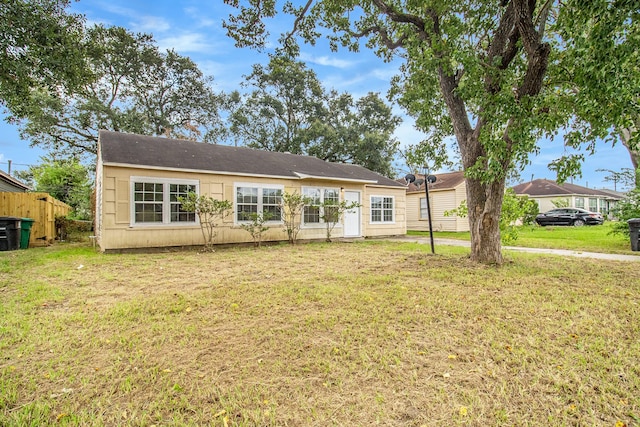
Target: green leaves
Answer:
pixel 134 87
pixel 41 49
pixel 289 110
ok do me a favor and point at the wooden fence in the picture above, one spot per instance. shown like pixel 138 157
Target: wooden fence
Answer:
pixel 40 207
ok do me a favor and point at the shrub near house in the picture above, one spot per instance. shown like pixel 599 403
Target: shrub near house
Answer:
pixel 140 180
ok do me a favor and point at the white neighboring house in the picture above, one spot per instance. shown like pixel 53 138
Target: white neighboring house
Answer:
pixel 549 195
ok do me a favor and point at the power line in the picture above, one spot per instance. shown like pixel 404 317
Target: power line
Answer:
pixel 14 163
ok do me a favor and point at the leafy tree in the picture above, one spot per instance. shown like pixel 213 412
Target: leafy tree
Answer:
pixel 625 210
pixel 625 176
pixel 473 68
pixel 41 49
pixel 65 179
pixel 331 212
pixel 359 133
pixel 292 206
pixel 290 111
pixel 135 88
pixel 597 66
pixel 256 226
pixel 209 211
pixel 516 209
pixel 286 98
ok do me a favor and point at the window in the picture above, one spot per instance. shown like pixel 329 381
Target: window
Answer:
pixel 580 202
pixel 593 205
pixel 155 201
pixel 382 209
pixel 255 199
pixel 423 207
pixel 177 213
pixel 313 213
pixel 603 207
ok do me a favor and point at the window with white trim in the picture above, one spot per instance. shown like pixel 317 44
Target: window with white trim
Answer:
pixel 382 209
pixel 313 212
pixel 258 199
pixel 423 208
pixel 155 201
pixel 580 202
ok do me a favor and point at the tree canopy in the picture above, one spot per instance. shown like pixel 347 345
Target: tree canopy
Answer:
pixel 597 68
pixel 65 179
pixel 289 110
pixel 134 88
pixel 484 71
pixel 40 47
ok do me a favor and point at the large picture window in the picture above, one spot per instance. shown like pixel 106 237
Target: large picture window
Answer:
pixel 313 212
pixel 382 209
pixel 155 201
pixel 255 199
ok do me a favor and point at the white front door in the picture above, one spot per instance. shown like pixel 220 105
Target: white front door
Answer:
pixel 352 216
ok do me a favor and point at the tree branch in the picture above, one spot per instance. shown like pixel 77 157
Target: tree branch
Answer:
pixel 297 21
pixel 537 52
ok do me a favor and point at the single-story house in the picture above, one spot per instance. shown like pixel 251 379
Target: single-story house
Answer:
pixel 10 184
pixel 445 194
pixel 139 178
pixel 549 195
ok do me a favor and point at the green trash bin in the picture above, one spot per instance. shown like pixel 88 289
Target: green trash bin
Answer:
pixel 25 232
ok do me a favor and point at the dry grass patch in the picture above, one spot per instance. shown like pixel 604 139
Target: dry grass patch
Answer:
pixel 324 334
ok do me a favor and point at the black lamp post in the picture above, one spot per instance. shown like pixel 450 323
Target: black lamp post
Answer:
pixel 428 179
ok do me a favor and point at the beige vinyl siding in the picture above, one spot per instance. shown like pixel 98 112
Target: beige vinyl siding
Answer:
pixel 440 201
pixel 398 227
pixel 116 230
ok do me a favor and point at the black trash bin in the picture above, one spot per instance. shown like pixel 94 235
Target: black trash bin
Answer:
pixel 9 233
pixel 634 233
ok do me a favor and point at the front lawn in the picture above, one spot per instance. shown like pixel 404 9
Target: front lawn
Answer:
pixel 589 238
pixel 367 333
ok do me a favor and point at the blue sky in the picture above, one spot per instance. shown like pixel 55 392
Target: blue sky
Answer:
pixel 193 28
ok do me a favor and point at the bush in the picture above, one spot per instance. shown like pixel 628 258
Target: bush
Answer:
pixel 69 229
pixel 625 210
pixel 514 208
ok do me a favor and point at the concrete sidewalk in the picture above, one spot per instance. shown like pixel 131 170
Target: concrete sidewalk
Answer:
pixel 561 252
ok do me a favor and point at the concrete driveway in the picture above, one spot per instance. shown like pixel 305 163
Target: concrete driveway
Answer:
pixel 561 252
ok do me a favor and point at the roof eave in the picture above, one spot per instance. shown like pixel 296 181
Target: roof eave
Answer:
pixel 204 171
pixel 297 175
pixel 301 175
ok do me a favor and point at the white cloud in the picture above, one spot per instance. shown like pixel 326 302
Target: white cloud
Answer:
pixel 328 61
pixel 200 20
pixel 151 24
pixel 186 42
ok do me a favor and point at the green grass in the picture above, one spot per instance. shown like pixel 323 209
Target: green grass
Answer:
pixel 588 239
pixel 366 333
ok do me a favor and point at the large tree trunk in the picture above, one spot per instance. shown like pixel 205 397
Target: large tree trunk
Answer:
pixel 485 204
pixel 634 151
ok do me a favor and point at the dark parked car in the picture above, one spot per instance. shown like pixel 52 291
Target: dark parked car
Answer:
pixel 569 216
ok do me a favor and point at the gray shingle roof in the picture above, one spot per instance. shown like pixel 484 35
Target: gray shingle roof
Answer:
pixel 547 187
pixel 156 152
pixel 444 181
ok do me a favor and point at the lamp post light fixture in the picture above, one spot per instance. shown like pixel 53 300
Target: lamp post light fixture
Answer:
pixel 428 179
